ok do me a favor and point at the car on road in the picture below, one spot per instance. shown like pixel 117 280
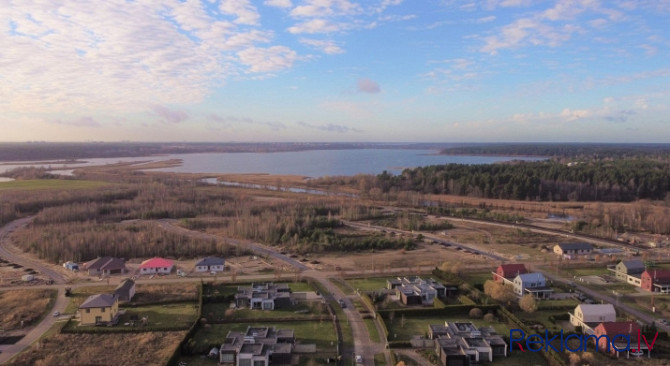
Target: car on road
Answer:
pixel 342 303
pixel 663 321
pixel 56 313
pixel 359 359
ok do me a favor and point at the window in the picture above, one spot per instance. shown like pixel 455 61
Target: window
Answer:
pixel 227 357
pixel 88 311
pixel 102 310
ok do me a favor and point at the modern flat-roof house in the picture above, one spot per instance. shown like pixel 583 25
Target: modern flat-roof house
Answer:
pixel 257 346
pixel 588 316
pixel 105 266
pixel 572 250
pixel 506 273
pixel 210 264
pixel 608 342
pixel 156 265
pixel 99 309
pixel 629 271
pixel 263 296
pixel 462 343
pixel 417 291
pixel 531 283
pixel 655 280
pixel 125 290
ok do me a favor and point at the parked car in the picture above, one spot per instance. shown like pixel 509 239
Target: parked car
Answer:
pixel 359 359
pixel 342 303
pixel 56 313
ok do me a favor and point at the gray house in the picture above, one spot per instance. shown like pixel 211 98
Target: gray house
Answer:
pixel 126 290
pixel 258 346
pixel 210 264
pixel 263 296
pixel 105 266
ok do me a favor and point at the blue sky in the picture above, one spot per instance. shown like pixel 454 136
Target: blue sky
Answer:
pixel 335 70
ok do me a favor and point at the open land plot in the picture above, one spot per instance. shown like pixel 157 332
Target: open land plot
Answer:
pixel 95 349
pixel 222 311
pixel 163 316
pixel 321 333
pixel 27 306
pixel 404 329
pixel 173 292
pixel 368 284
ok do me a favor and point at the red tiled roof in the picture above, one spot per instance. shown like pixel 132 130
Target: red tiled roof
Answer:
pixel 511 270
pixel 157 263
pixel 612 328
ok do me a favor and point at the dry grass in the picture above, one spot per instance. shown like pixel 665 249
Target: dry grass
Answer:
pixel 148 294
pixel 98 349
pixel 26 305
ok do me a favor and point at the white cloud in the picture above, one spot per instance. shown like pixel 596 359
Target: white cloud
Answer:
pixel 245 12
pixel 326 8
pixel 315 26
pixel 574 114
pixel 274 58
pixel 279 3
pixel 326 46
pixel 368 86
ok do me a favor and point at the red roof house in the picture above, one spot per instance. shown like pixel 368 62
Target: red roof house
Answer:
pixel 156 265
pixel 612 329
pixel 509 271
pixel 655 280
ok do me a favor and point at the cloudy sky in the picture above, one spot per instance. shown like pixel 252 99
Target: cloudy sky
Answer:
pixel 335 70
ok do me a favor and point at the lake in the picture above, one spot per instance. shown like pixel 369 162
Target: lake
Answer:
pixel 311 163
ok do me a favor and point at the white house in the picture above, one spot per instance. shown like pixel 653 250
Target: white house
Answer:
pixel 210 264
pixel 156 265
pixel 531 283
pixel 588 316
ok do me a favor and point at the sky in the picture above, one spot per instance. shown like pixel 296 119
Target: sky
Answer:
pixel 335 70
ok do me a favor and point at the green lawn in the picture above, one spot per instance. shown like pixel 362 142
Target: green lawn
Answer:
pixel 300 287
pixel 475 278
pixel 380 360
pixel 372 330
pixel 399 331
pixel 42 184
pixel 320 333
pixel 301 310
pixel 368 284
pixel 594 271
pixel 342 285
pixel 159 316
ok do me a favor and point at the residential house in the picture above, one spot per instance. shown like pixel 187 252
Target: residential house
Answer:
pixel 506 273
pixel 210 264
pixel 263 296
pixel 606 336
pixel 572 250
pixel 257 346
pixel 531 283
pixel 99 309
pixel 125 290
pixel 417 291
pixel 157 265
pixel 105 266
pixel 588 316
pixel 655 280
pixel 462 343
pixel 629 271
pixel 74 267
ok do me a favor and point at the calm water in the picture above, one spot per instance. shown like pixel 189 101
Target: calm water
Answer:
pixel 313 163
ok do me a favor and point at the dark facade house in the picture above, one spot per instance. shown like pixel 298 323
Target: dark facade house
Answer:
pixel 258 346
pixel 417 291
pixel 263 296
pixel 463 344
pixel 125 290
pixel 105 266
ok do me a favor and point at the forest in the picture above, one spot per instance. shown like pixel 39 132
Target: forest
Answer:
pixel 607 181
pixel 571 150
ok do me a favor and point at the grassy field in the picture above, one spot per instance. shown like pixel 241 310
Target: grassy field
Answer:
pixel 306 332
pixel 368 284
pixel 161 316
pixel 372 330
pixel 223 311
pixel 400 330
pixel 43 184
pixel 28 306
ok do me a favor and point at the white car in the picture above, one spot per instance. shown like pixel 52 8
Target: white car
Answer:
pixel 56 313
pixel 359 359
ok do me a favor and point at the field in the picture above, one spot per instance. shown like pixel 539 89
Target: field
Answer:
pixel 404 329
pixel 320 333
pixel 45 184
pixel 368 284
pixel 221 311
pixel 28 306
pixel 97 349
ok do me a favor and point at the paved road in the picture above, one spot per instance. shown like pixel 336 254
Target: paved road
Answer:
pixel 5 231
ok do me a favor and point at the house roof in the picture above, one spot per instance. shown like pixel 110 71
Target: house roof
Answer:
pixel 575 246
pixel 157 262
pixel 634 264
pixel 596 309
pixel 124 286
pixel 659 275
pixel 531 277
pixel 99 301
pixel 612 328
pixel 106 263
pixel 211 261
pixel 512 270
